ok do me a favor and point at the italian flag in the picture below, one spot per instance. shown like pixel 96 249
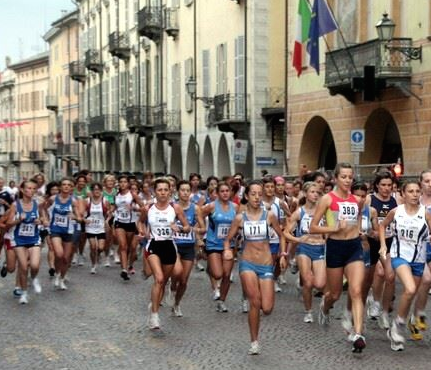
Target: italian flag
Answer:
pixel 302 28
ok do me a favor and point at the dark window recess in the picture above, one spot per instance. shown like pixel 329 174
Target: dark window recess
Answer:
pixel 277 136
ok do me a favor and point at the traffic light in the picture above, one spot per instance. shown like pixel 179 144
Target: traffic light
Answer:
pixel 397 169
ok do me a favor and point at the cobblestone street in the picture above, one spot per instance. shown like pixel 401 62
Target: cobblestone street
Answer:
pixel 99 323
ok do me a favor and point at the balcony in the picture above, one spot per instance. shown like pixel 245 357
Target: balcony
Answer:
pixel 51 103
pixel 68 151
pixel 105 127
pixel 37 157
pixel 77 71
pixel 229 113
pixel 93 62
pixel 171 22
pixel 390 65
pixel 80 131
pixel 274 101
pixel 138 119
pixel 119 45
pixel 15 157
pixel 48 145
pixel 150 22
pixel 167 123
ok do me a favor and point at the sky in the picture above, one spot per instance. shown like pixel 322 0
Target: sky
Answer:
pixel 23 23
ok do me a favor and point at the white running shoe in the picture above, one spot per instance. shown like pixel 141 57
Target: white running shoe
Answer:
pixel 293 266
pixel 323 318
pixel 111 253
pixel 346 322
pixel 384 321
pixel 199 266
pixel 154 322
pixel 176 310
pixel 254 348
pixel 107 262
pixel 24 297
pixel 282 279
pixel 75 259
pixel 221 307
pixel 308 318
pixel 169 296
pixel 81 260
pixel 232 280
pixel 216 294
pixel 93 270
pixel 57 280
pixel 36 286
pixel 395 331
pixel 62 285
pixel 277 288
pixel 373 308
pixel 117 258
pixel 244 305
pixel 298 285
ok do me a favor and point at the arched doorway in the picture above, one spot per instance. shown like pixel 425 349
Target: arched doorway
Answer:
pixel 139 164
pixel 208 159
pixel 192 157
pixel 318 146
pixel 223 158
pixel 382 139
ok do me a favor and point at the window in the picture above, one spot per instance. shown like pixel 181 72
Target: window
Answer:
pixel 66 85
pixel 123 87
pixel 206 87
pixel 114 94
pixel 221 81
pixel 239 77
pixel 156 75
pixel 277 135
pixel 105 97
pixel 188 73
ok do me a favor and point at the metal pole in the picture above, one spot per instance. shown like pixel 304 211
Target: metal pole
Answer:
pixel 195 101
pixel 286 100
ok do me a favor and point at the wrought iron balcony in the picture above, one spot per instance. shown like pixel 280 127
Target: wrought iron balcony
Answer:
pixel 119 45
pixel 344 64
pixel 51 102
pixel 80 131
pixel 105 127
pixel 37 157
pixel 48 144
pixel 171 22
pixel 93 62
pixel 167 123
pixel 229 113
pixel 77 71
pixel 15 157
pixel 150 22
pixel 138 118
pixel 68 151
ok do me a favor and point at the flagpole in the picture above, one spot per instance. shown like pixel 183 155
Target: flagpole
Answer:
pixel 286 99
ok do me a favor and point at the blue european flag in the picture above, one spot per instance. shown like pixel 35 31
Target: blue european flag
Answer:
pixel 322 22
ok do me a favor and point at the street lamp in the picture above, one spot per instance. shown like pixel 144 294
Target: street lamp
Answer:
pixel 385 30
pixel 191 90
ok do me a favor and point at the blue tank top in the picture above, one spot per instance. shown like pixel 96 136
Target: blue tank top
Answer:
pixel 255 230
pixel 27 232
pixel 60 221
pixel 366 219
pixel 219 226
pixel 187 238
pixel 383 208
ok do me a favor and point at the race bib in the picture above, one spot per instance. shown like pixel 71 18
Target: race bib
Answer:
pixel 60 220
pixel 26 230
pixel 184 236
pixel 163 232
pixel 222 231
pixel 347 211
pixel 124 215
pixel 255 229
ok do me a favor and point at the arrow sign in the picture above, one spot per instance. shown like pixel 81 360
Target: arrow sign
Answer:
pixel 357 140
pixel 266 161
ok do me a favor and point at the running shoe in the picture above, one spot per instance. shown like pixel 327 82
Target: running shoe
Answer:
pixel 216 294
pixel 397 340
pixel 169 296
pixel 154 322
pixel 244 305
pixel 384 320
pixel 415 333
pixel 51 272
pixel 36 286
pixel 24 298
pixel 293 266
pixel 323 318
pixel 373 308
pixel 81 260
pixel 107 262
pixel 358 343
pixel 200 267
pixel 111 253
pixel 221 307
pixel 308 318
pixel 396 330
pixel 132 270
pixel 62 285
pixel 116 258
pixel 277 288
pixel 282 280
pixel 232 280
pixel 254 348
pixel 176 311
pixel 66 277
pixel 93 270
pixel 57 281
pixel 421 322
pixel 75 259
pixel 3 271
pixel 346 322
pixel 125 275
pixel 17 292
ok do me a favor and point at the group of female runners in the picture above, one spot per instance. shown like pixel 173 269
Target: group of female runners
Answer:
pixel 332 236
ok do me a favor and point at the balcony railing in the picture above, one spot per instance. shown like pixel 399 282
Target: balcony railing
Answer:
pixel 138 116
pixel 77 71
pixel 119 45
pixel 171 22
pixel 36 156
pixel 104 126
pixel 166 121
pixel 230 107
pixel 15 157
pixel 93 61
pixel 150 22
pixel 48 144
pixel 68 151
pixel 80 131
pixel 52 102
pixel 344 64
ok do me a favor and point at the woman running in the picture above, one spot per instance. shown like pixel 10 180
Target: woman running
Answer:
pixel 24 218
pixel 160 218
pixel 256 268
pixel 310 249
pixel 186 246
pixel 220 214
pixel 412 224
pixel 344 255
pixel 65 209
pixel 137 206
pixel 109 193
pixel 98 210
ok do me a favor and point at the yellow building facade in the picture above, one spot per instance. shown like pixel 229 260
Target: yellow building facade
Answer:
pixel 324 111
